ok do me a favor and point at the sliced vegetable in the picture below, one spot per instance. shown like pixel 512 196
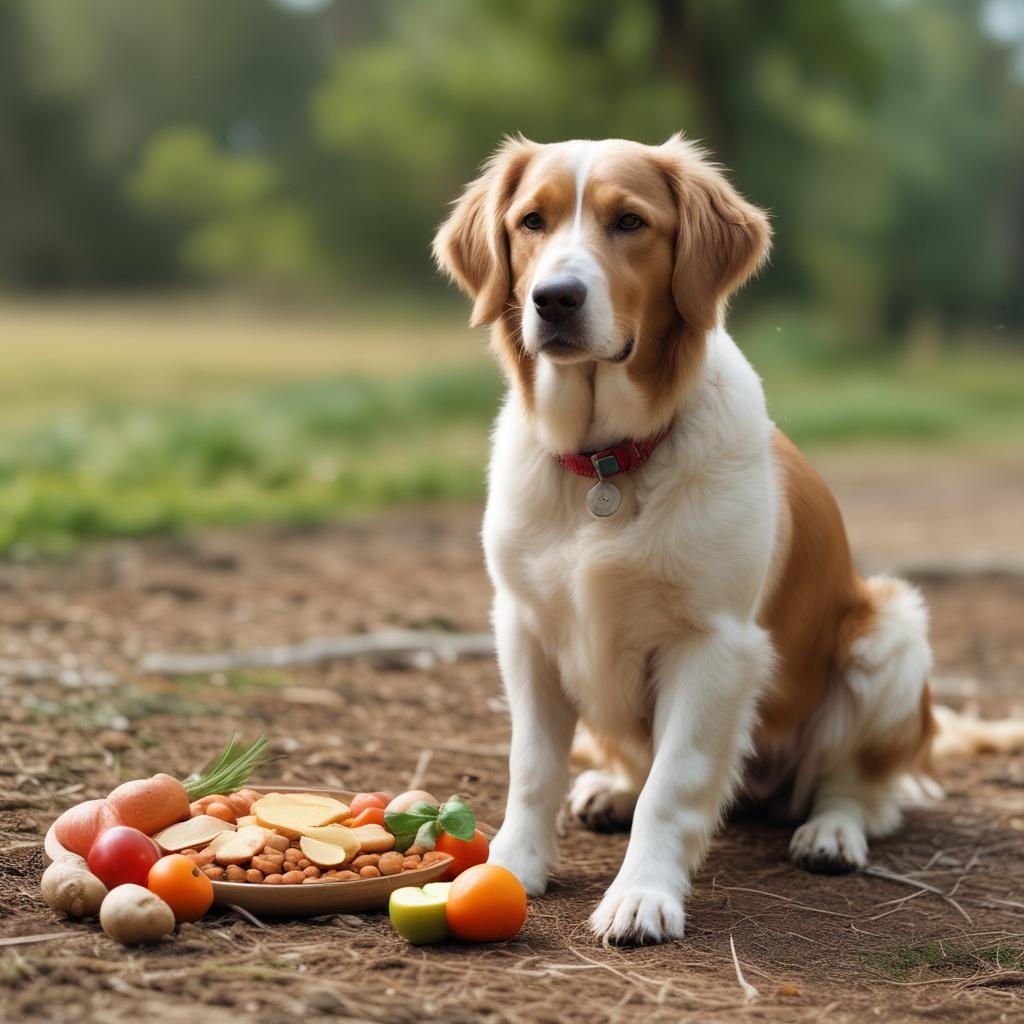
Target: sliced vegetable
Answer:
pixel 291 814
pixel 323 855
pixel 191 834
pixel 369 816
pixel 374 839
pixel 418 915
pixel 241 846
pixel 336 835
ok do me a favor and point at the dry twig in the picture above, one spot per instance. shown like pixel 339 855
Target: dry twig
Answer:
pixel 387 645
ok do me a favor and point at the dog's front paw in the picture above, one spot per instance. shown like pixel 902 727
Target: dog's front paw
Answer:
pixel 522 858
pixel 631 915
pixel 829 845
pixel 602 802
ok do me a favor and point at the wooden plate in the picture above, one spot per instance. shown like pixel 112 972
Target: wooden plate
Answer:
pixel 305 900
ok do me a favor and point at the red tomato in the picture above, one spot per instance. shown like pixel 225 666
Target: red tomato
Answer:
pixel 369 816
pixel 486 903
pixel 364 800
pixel 122 854
pixel 182 886
pixel 466 852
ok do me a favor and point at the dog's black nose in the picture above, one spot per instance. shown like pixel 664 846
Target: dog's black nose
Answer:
pixel 557 298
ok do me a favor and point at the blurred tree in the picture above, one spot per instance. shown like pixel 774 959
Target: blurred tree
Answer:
pixel 286 140
pixel 239 227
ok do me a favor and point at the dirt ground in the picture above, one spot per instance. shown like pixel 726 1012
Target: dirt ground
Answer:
pixel 851 948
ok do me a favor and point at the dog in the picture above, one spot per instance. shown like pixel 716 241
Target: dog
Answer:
pixel 672 579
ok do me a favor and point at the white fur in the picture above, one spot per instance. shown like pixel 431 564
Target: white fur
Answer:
pixel 582 604
pixel 566 252
pixel 644 627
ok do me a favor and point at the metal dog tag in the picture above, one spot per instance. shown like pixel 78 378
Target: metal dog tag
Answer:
pixel 603 499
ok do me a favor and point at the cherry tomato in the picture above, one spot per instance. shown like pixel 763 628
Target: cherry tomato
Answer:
pixel 370 816
pixel 486 903
pixel 182 886
pixel 466 852
pixel 122 854
pixel 364 800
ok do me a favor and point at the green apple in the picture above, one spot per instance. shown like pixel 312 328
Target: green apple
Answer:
pixel 418 915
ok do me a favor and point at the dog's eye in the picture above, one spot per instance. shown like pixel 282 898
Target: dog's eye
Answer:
pixel 629 222
pixel 533 222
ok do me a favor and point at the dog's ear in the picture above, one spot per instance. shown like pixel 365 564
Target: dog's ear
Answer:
pixel 471 246
pixel 721 238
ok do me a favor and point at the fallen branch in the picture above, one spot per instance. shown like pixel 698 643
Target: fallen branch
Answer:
pixel 48 671
pixel 387 646
pixel 25 940
pixel 419 773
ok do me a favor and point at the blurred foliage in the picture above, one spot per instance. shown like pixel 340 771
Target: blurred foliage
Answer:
pixel 299 451
pixel 264 141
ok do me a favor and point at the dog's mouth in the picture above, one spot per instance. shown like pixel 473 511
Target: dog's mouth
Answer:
pixel 626 352
pixel 561 349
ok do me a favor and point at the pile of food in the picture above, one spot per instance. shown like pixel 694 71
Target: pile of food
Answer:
pixel 151 854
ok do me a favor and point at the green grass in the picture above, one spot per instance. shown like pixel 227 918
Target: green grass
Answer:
pixel 180 420
pixel 943 958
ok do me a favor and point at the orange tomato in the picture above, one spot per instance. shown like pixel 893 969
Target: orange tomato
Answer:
pixel 182 886
pixel 363 800
pixel 466 852
pixel 369 816
pixel 486 903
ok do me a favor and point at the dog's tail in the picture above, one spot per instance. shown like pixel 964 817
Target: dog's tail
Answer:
pixel 963 733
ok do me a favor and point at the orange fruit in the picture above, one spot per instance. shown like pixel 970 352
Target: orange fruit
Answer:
pixel 466 852
pixel 486 903
pixel 182 886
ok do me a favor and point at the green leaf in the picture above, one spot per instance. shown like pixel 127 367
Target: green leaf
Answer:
pixel 428 833
pixel 405 825
pixel 457 819
pixel 404 822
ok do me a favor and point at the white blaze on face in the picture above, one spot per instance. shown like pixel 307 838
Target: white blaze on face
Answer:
pixel 566 252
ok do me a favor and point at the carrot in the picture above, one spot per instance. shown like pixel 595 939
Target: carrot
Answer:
pixel 78 826
pixel 150 804
pixel 221 809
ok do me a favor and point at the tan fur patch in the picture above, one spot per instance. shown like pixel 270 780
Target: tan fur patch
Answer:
pixel 816 592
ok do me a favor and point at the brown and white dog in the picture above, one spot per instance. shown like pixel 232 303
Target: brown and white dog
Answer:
pixel 712 633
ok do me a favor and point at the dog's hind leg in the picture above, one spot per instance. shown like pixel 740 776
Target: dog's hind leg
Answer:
pixel 873 732
pixel 604 796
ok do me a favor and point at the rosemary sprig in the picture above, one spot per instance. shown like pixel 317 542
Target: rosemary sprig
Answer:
pixel 228 772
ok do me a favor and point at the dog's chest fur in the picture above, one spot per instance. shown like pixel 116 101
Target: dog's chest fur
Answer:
pixel 692 539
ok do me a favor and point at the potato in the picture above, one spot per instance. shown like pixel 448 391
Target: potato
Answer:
pixel 374 838
pixel 192 833
pixel 133 915
pixel 292 813
pixel 324 855
pixel 241 846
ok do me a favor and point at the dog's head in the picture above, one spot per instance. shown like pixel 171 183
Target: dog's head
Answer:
pixel 600 251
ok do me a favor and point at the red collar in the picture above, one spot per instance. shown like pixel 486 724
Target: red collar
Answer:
pixel 620 458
